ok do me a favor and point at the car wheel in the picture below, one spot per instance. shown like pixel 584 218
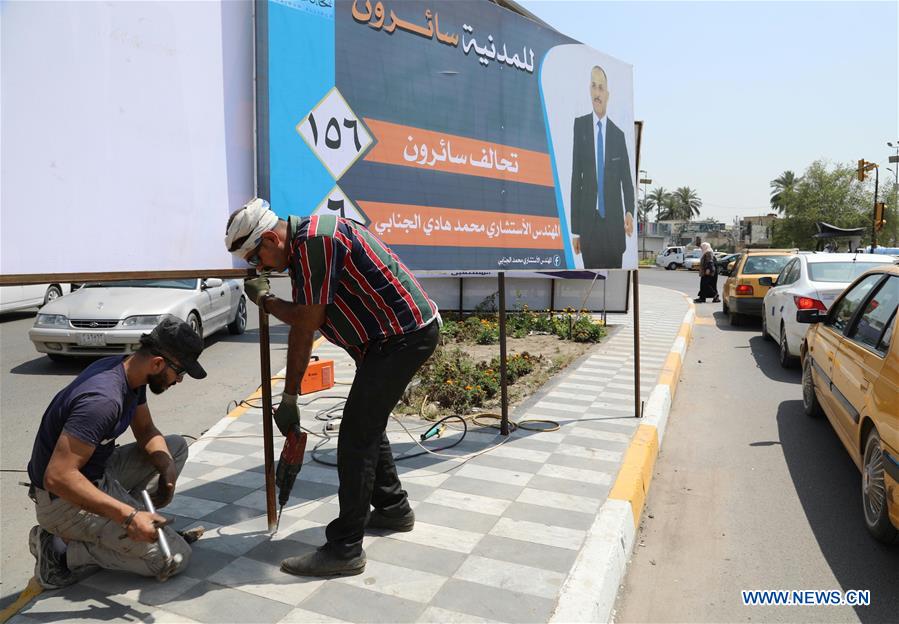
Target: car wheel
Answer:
pixel 194 321
pixel 786 360
pixel 672 266
pixel 57 357
pixel 735 319
pixel 810 403
pixel 874 493
pixel 724 307
pixel 765 333
pixel 53 292
pixel 239 324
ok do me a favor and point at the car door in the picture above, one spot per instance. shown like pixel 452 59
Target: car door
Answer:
pixel 216 292
pixel 860 357
pixel 826 346
pixel 774 309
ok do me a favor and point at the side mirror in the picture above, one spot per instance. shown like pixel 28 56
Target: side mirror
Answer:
pixel 211 282
pixel 767 281
pixel 810 317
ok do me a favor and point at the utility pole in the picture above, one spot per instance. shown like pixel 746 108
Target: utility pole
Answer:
pixel 862 172
pixel 644 181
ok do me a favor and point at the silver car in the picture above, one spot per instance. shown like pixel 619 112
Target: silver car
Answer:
pixel 109 317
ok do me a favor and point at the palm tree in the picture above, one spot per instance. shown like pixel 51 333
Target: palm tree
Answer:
pixel 686 203
pixel 644 207
pixel 785 182
pixel 659 199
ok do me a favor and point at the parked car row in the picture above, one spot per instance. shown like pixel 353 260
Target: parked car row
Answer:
pixel 105 318
pixel 836 313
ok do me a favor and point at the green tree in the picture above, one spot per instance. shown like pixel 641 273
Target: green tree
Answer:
pixel 823 193
pixel 783 183
pixel 686 203
pixel 659 200
pixel 644 208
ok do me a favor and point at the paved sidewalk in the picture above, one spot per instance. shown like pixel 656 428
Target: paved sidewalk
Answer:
pixel 495 537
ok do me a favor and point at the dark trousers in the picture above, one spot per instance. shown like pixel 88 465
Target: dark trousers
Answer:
pixel 708 286
pixel 364 458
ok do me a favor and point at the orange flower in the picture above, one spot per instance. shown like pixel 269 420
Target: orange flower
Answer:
pixel 449 381
pixel 468 387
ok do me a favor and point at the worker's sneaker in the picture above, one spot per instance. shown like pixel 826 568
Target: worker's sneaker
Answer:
pixel 323 562
pixel 401 524
pixel 49 568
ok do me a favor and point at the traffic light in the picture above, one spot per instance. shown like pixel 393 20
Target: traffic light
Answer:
pixel 879 215
pixel 861 170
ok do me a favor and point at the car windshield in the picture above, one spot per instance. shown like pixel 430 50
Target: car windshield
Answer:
pixel 838 271
pixel 182 284
pixel 764 265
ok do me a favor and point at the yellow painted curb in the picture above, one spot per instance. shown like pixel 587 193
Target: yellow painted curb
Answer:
pixel 632 483
pixel 241 408
pixel 634 477
pixel 28 594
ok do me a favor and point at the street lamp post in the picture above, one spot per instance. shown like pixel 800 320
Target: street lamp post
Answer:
pixel 895 161
pixel 644 181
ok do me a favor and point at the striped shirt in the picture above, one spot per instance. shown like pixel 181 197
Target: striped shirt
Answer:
pixel 369 292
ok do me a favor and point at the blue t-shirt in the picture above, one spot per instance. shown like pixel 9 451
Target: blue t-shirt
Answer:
pixel 96 408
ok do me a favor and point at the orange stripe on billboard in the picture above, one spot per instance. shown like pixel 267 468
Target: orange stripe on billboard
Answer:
pixel 403 224
pixel 437 151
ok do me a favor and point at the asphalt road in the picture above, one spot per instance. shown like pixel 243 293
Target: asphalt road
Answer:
pixel 30 380
pixel 749 493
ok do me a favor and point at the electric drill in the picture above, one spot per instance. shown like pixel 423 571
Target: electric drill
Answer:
pixel 289 464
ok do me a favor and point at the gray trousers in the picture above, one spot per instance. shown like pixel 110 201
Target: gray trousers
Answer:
pixel 96 540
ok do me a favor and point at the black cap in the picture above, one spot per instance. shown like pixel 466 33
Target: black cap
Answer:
pixel 175 339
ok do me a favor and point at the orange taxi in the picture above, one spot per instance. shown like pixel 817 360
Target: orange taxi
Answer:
pixel 743 295
pixel 850 372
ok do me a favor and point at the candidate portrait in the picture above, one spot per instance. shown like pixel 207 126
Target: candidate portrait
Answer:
pixel 602 189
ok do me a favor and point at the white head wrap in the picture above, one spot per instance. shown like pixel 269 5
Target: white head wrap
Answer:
pixel 705 247
pixel 248 225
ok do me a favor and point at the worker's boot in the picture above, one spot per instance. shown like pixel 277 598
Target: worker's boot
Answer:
pixel 400 524
pixel 324 562
pixel 50 566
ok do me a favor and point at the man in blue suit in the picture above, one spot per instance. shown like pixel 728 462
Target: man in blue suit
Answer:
pixel 602 206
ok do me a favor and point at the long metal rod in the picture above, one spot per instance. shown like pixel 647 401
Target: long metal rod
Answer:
pixel 160 534
pixel 265 371
pixel 504 396
pixel 638 412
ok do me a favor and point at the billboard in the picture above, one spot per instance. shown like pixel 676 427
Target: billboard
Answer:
pixel 465 135
pixel 127 135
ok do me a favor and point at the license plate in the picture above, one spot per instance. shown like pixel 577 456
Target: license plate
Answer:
pixel 92 339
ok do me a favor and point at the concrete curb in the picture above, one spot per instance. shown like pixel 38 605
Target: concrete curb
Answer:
pixel 589 592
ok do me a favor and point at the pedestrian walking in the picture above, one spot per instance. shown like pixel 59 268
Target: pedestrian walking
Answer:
pixel 351 287
pixel 708 276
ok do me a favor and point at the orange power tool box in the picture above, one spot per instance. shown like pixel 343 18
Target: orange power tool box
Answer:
pixel 319 376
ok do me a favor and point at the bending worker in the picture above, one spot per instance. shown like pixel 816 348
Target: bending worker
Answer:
pixel 351 287
pixel 86 490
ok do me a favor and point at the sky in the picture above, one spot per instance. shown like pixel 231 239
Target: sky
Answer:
pixel 734 93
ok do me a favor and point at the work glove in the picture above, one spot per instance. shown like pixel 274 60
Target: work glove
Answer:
pixel 257 287
pixel 288 413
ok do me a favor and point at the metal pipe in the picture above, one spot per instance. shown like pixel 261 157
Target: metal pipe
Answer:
pixel 504 396
pixel 265 371
pixel 160 534
pixel 638 412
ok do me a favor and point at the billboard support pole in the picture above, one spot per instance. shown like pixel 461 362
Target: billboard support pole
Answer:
pixel 265 366
pixel 461 307
pixel 638 412
pixel 504 400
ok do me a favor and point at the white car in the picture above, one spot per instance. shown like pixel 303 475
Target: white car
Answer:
pixel 671 258
pixel 692 260
pixel 808 282
pixel 109 317
pixel 14 298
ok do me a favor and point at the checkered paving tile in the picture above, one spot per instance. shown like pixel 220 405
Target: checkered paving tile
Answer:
pixel 495 536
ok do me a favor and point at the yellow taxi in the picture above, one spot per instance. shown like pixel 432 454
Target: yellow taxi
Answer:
pixel 850 372
pixel 743 294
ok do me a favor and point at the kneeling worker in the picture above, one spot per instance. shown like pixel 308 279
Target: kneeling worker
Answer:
pixel 86 491
pixel 351 287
